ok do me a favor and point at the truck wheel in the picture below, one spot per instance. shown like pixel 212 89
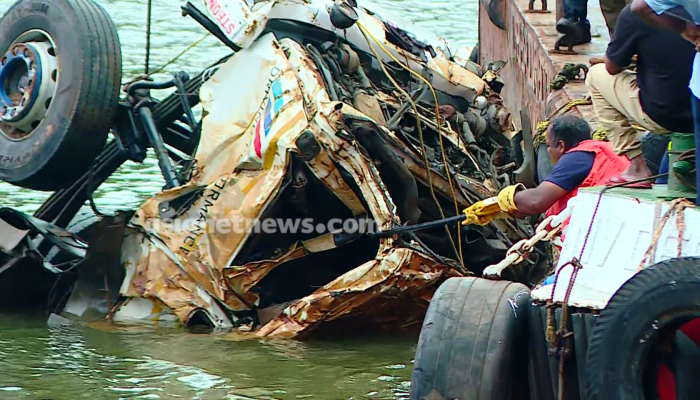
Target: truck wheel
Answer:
pixel 646 342
pixel 473 342
pixel 60 72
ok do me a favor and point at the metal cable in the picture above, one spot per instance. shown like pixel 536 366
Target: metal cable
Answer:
pixel 367 33
pixel 148 36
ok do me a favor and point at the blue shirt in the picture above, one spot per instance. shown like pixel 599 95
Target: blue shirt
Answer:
pixel 571 169
pixel 693 8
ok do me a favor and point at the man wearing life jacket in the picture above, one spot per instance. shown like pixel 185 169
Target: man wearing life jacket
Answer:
pixel 580 162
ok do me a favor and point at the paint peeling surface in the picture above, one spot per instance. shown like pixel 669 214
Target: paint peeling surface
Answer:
pixel 235 19
pixel 315 132
pixel 395 274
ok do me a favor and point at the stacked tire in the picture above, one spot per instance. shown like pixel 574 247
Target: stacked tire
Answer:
pixel 473 344
pixel 646 344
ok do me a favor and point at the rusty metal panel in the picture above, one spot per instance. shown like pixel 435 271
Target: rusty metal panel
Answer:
pixel 395 271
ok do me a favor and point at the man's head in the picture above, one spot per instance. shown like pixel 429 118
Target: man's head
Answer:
pixel 565 132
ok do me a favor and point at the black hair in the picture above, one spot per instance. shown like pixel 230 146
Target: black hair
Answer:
pixel 572 130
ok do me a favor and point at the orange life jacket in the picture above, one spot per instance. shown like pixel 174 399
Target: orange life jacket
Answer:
pixel 606 165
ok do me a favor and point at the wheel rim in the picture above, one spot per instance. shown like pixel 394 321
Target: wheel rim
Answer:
pixel 665 384
pixel 28 82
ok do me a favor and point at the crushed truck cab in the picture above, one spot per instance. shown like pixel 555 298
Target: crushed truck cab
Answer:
pixel 329 124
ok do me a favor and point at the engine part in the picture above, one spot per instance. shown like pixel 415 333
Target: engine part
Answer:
pixel 343 16
pixel 399 180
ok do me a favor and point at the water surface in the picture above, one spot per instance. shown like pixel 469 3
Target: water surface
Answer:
pixel 102 363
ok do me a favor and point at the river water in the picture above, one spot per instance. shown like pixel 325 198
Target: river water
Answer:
pixel 100 362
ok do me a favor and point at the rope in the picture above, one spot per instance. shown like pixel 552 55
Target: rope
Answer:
pixel 167 64
pixel 541 131
pixel 182 53
pixel 91 189
pixel 598 134
pixel 563 332
pixel 567 74
pixel 680 227
pixel 677 206
pixel 148 36
pixel 367 33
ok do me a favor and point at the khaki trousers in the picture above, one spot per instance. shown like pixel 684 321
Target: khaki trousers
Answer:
pixel 616 104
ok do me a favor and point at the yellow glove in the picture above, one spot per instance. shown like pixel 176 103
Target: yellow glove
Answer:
pixel 506 198
pixel 484 211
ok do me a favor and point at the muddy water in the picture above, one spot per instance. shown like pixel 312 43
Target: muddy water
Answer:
pixel 90 362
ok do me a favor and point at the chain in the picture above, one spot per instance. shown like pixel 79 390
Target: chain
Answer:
pixel 546 231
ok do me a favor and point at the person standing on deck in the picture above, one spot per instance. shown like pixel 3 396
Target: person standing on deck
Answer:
pixel 580 162
pixel 655 97
pixel 611 10
pixel 576 25
pixel 655 13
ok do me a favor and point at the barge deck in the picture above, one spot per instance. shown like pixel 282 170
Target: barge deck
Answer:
pixel 527 45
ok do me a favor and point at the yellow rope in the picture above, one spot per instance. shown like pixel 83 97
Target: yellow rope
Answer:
pixel 365 32
pixel 182 53
pixel 167 64
pixel 600 134
pixel 541 130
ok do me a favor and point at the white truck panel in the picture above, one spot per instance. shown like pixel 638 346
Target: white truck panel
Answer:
pixel 620 236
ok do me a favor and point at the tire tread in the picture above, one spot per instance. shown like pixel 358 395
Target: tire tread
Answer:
pixel 467 357
pixel 646 283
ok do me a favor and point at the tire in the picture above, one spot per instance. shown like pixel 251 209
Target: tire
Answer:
pixel 544 163
pixel 74 128
pixel 475 55
pixel 473 341
pixel 649 307
pixel 654 147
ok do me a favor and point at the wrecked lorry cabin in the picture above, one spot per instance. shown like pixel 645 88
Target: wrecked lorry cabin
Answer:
pixel 304 121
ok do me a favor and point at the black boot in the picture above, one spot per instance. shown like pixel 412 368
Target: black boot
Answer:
pixel 584 31
pixel 567 26
pixel 575 31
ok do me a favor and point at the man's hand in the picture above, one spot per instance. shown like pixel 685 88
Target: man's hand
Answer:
pixel 596 60
pixel 501 206
pixel 691 33
pixel 482 212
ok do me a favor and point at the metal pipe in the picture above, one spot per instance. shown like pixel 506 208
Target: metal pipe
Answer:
pixel 149 85
pixel 171 179
pixel 394 120
pixel 419 227
pixel 192 11
pixel 180 78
